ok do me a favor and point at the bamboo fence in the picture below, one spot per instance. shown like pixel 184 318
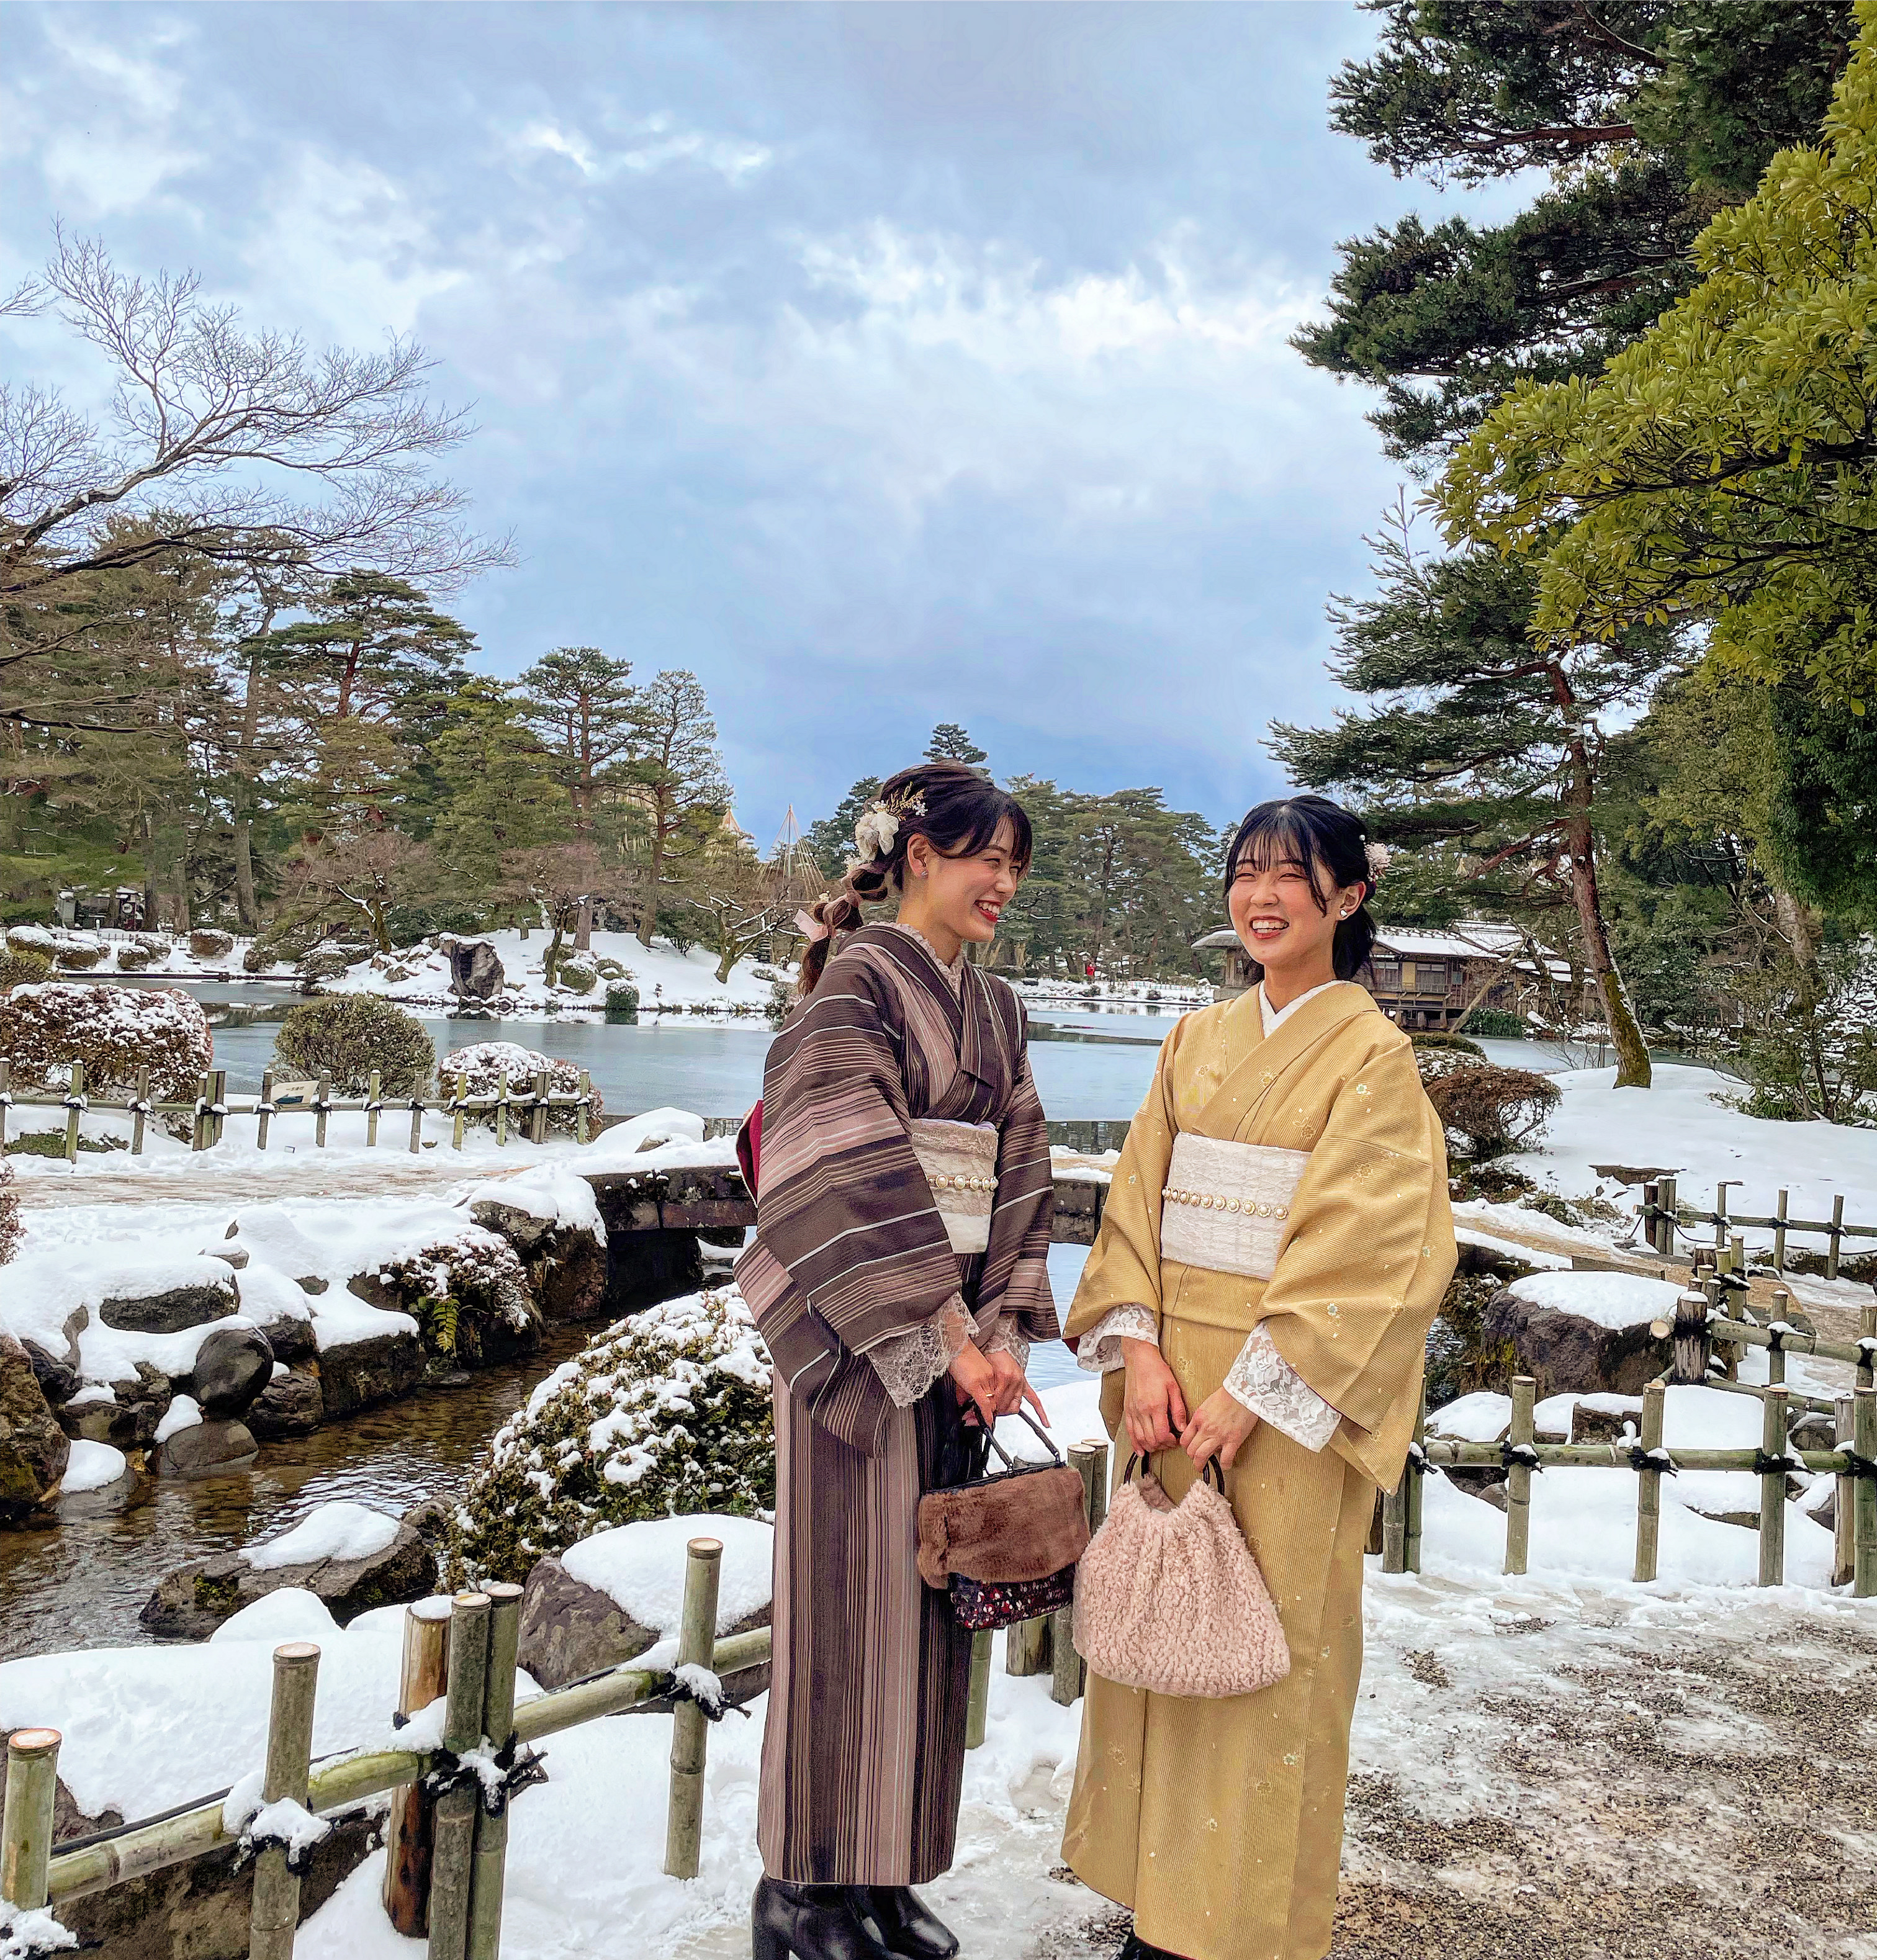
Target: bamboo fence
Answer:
pixel 530 1110
pixel 1665 1218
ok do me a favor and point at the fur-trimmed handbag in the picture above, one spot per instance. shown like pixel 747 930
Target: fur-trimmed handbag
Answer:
pixel 1169 1597
pixel 1005 1546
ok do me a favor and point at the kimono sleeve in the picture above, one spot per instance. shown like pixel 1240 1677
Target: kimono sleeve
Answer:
pixel 1124 1269
pixel 1015 1280
pixel 844 1207
pixel 1370 1251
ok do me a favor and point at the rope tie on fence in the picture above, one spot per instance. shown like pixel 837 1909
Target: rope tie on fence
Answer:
pixel 77 1102
pixel 1520 1455
pixel 1767 1464
pixel 699 1685
pixel 299 1835
pixel 1776 1334
pixel 134 1107
pixel 1867 1346
pixel 1857 1465
pixel 370 1107
pixel 1658 1459
pixel 495 1775
pixel 1417 1460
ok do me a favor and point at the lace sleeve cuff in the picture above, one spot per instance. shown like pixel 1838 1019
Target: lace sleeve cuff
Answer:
pixel 907 1364
pixel 1007 1337
pixel 1100 1351
pixel 1267 1384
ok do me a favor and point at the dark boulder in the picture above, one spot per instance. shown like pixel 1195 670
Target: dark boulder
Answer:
pixel 566 1264
pixel 58 1380
pixel 363 1373
pixel 232 1367
pixel 174 1309
pixel 34 1448
pixel 130 1421
pixel 1600 1350
pixel 476 969
pixel 292 1404
pixel 210 1448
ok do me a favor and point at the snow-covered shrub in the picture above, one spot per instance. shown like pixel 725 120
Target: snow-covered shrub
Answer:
pixel 22 966
pixel 134 955
pixel 1437 1055
pixel 577 973
pixel 485 1064
pixel 470 1300
pixel 610 970
pixel 1500 1024
pixel 11 1230
pixel 79 954
pixel 114 1031
pixel 1494 1110
pixel 33 939
pixel 346 1036
pixel 664 1415
pixel 621 1000
pixel 209 942
pixel 324 962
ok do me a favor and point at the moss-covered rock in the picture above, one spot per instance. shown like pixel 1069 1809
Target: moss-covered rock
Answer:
pixel 666 1414
pixel 469 1297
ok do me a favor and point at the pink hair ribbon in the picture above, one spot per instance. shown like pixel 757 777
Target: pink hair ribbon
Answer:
pixel 812 928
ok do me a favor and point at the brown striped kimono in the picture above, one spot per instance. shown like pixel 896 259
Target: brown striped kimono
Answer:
pixel 864 1755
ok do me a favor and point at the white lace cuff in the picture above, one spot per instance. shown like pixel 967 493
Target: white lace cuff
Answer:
pixel 1099 1349
pixel 1267 1384
pixel 907 1364
pixel 1007 1337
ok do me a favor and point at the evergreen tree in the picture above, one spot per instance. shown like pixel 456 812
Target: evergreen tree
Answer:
pixel 830 841
pixel 498 786
pixel 581 703
pixel 949 743
pixel 680 791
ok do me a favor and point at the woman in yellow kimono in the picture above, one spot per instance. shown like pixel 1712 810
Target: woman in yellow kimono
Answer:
pixel 1277 1241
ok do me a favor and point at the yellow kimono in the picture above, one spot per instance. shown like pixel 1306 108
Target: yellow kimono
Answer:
pixel 1219 1822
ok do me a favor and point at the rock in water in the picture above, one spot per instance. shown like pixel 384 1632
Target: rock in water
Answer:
pixel 566 1264
pixel 58 1379
pixel 189 1603
pixel 174 1309
pixel 292 1404
pixel 362 1373
pixel 207 1449
pixel 476 969
pixel 232 1367
pixel 34 1448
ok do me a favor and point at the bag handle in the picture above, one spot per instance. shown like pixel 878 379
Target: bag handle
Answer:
pixel 1212 1468
pixel 1041 1435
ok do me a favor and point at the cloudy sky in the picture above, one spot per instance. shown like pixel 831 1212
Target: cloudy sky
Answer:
pixel 885 364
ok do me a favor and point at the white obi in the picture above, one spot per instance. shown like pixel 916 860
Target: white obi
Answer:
pixel 1225 1204
pixel 960 1163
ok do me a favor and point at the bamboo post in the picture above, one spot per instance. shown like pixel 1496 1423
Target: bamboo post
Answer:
pixel 458 1116
pixel 489 1873
pixel 1775 1357
pixel 1864 1541
pixel 139 1112
pixel 75 1108
pixel 1736 1252
pixel 1866 1330
pixel 1690 1363
pixel 218 1110
pixel 1519 1477
pixel 582 1128
pixel 1773 1490
pixel 266 1110
pixel 421 1679
pixel 1779 1235
pixel 1026 1647
pixel 537 1115
pixel 1088 1460
pixel 1666 1198
pixel 26 1826
pixel 417 1125
pixel 978 1704
pixel 501 1111
pixel 274 1911
pixel 198 1130
pixel 1416 1483
pixel 1395 1527
pixel 1837 1230
pixel 321 1096
pixel 372 1082
pixel 452 1830
pixel 1720 1221
pixel 1844 1508
pixel 6 1100
pixel 1648 1487
pixel 697 1641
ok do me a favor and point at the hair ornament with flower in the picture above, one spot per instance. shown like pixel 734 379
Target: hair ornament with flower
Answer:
pixel 878 830
pixel 1378 855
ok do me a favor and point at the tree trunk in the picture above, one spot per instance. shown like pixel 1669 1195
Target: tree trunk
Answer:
pixel 1633 1068
pixel 246 911
pixel 583 926
pixel 648 912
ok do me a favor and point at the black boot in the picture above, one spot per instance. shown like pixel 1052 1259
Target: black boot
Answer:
pixel 809 1922
pixel 898 1919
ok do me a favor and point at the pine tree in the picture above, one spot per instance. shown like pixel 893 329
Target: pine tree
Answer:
pixel 830 841
pixel 497 782
pixel 581 703
pixel 949 743
pixel 681 793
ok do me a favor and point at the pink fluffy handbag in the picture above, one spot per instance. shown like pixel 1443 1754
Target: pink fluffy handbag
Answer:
pixel 1169 1597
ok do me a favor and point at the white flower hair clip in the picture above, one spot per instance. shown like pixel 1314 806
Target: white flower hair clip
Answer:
pixel 878 830
pixel 1378 855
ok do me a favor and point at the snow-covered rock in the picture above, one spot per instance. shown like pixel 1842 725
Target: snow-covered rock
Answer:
pixel 33 1449
pixel 1584 1333
pixel 483 1067
pixel 666 1413
pixel 550 1218
pixel 349 1556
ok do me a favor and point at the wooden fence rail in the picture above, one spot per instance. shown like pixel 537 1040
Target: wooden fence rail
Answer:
pixel 1664 1216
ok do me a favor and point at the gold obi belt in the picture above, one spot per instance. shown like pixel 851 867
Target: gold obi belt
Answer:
pixel 960 1163
pixel 1225 1204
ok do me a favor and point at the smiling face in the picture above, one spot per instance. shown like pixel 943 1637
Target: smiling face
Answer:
pixel 1287 920
pixel 965 895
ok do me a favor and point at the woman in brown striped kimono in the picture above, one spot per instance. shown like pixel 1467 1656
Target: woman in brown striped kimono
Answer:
pixel 899 1273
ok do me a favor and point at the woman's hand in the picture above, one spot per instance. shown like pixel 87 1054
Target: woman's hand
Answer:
pixel 976 1377
pixel 1152 1408
pixel 1220 1427
pixel 1013 1389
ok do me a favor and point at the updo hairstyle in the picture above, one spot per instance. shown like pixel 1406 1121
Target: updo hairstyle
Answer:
pixel 1330 845
pixel 956 808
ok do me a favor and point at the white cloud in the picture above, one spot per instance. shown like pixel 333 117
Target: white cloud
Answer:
pixel 653 144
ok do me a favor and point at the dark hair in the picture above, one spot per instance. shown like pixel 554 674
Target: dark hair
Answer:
pixel 1330 845
pixel 956 808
